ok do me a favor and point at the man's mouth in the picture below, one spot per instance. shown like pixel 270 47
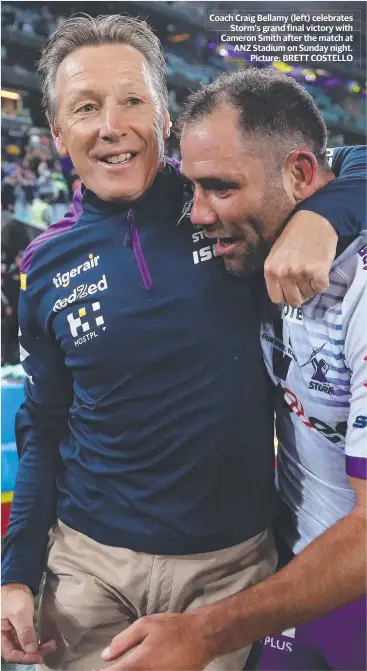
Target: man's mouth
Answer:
pixel 225 245
pixel 226 241
pixel 119 158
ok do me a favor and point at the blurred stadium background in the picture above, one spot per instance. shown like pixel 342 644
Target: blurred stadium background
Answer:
pixel 37 188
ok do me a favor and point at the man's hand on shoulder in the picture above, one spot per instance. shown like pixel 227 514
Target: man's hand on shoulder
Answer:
pixel 299 263
pixel 19 644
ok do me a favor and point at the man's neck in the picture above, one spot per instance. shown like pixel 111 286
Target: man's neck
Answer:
pixel 324 176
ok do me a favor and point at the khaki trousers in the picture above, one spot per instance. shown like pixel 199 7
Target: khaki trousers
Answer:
pixel 93 591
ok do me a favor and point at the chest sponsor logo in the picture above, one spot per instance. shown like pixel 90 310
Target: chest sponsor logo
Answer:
pixel 319 381
pixel 360 422
pixel 291 314
pixel 277 642
pixel 363 254
pixel 206 252
pixel 63 279
pixel 82 291
pixel 295 404
pixel 85 327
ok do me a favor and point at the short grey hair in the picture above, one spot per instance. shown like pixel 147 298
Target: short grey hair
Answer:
pixel 84 30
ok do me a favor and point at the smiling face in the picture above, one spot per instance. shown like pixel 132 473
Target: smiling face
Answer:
pixel 109 120
pixel 239 199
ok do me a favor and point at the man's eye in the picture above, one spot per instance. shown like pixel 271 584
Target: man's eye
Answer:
pixel 88 107
pixel 132 102
pixel 222 193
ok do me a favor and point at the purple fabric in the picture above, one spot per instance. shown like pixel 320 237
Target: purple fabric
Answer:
pixel 356 467
pixel 336 641
pixel 69 219
pixel 140 258
pixel 174 163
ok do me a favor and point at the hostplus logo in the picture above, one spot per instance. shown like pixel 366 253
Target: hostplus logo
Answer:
pixel 319 381
pixel 80 326
pixel 278 643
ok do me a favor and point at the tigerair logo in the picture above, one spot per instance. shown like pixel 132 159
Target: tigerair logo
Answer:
pixel 80 326
pixel 63 280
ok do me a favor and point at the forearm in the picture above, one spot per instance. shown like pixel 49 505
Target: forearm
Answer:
pixel 329 573
pixel 34 504
pixel 343 200
pixel 32 515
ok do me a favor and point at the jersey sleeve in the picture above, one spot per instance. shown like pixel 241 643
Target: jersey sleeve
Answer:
pixel 41 424
pixel 356 360
pixel 343 201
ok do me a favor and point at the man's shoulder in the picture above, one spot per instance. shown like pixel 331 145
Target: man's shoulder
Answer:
pixel 347 278
pixel 352 262
pixel 51 235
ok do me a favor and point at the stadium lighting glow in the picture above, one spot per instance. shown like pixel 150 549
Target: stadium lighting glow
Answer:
pixel 354 87
pixel 309 75
pixel 179 38
pixel 11 95
pixel 284 67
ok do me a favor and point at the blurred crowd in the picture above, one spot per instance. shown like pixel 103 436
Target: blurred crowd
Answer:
pixel 29 20
pixel 36 190
pixel 10 286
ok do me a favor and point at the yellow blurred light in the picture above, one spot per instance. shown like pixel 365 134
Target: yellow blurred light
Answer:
pixel 11 95
pixel 284 67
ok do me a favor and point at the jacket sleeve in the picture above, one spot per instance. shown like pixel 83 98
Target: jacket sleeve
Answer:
pixel 354 315
pixel 343 201
pixel 42 422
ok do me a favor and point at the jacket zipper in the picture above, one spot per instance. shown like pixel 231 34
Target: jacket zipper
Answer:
pixel 139 255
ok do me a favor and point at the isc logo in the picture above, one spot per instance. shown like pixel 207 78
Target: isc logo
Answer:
pixel 204 254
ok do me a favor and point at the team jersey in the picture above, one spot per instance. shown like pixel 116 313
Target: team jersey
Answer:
pixel 316 355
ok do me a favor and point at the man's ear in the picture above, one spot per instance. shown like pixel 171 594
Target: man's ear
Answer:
pixel 57 137
pixel 300 174
pixel 166 125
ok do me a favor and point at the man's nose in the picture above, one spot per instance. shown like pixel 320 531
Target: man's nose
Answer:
pixel 113 125
pixel 201 213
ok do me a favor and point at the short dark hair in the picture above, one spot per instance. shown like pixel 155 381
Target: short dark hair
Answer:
pixel 268 103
